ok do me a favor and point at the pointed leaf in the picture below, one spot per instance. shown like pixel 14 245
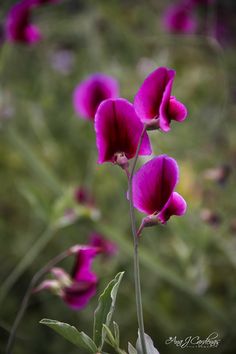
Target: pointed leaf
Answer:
pixel 79 339
pixel 116 333
pixel 149 345
pixel 105 309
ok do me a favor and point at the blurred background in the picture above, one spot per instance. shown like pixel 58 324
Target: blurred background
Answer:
pixel 47 152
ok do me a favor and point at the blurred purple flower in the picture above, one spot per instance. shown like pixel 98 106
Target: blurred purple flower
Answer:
pixel 82 196
pixel 62 60
pixel 91 92
pixel 118 129
pixel 154 104
pixel 78 288
pixel 153 190
pixel 179 18
pixel 107 248
pixel 18 26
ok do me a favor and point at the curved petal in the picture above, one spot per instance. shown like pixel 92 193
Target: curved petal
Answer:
pixel 177 110
pixel 82 269
pixel 175 206
pixel 164 122
pixel 118 130
pixel 149 97
pixel 78 294
pixel 91 92
pixel 153 184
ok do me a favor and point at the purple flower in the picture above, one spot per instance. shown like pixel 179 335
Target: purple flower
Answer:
pixel 91 92
pixel 154 104
pixel 76 289
pixel 118 129
pixel 179 18
pixel 106 247
pixel 82 196
pixel 18 25
pixel 153 190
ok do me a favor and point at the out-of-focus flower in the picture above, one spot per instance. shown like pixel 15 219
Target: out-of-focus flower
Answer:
pixel 219 174
pixel 107 248
pixel 179 18
pixel 18 26
pixel 82 196
pixel 62 60
pixel 210 217
pixel 91 92
pixel 154 104
pixel 118 129
pixel 78 288
pixel 153 191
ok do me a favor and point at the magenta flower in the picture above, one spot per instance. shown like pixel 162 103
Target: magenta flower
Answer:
pixel 82 196
pixel 91 92
pixel 154 104
pixel 179 18
pixel 78 288
pixel 18 25
pixel 153 190
pixel 118 129
pixel 106 247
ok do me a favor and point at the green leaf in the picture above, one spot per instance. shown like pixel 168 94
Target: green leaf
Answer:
pixel 131 349
pixel 110 338
pixel 105 309
pixel 149 345
pixel 79 339
pixel 116 333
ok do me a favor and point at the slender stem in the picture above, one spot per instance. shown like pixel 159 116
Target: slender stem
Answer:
pixel 29 257
pixel 27 295
pixel 136 254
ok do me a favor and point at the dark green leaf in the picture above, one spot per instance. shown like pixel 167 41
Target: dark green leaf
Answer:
pixel 79 339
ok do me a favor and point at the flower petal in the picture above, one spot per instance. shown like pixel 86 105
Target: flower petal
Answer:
pixel 82 269
pixel 153 184
pixel 118 130
pixel 164 121
pixel 149 97
pixel 177 110
pixel 107 248
pixel 91 92
pixel 78 294
pixel 175 206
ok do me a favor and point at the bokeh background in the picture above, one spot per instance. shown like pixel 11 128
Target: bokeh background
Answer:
pixel 46 152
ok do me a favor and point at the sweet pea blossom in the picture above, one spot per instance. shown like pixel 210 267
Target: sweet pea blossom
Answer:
pixel 153 191
pixel 91 92
pixel 180 18
pixel 18 26
pixel 118 129
pixel 107 248
pixel 154 104
pixel 77 288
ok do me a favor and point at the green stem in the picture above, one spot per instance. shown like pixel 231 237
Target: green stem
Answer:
pixel 136 253
pixel 30 256
pixel 28 293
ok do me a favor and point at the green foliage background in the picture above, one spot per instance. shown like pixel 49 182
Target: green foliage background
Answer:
pixel 188 266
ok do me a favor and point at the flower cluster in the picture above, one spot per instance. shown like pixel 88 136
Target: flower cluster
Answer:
pixel 121 134
pixel 18 26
